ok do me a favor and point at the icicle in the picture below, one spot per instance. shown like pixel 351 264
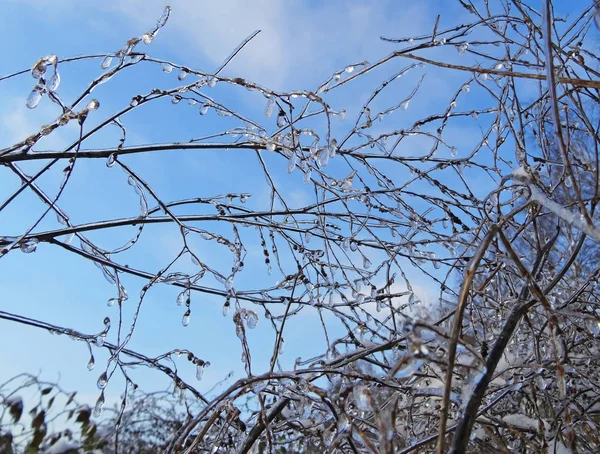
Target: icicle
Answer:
pixel 462 49
pixel 269 107
pixel 199 371
pixel 162 20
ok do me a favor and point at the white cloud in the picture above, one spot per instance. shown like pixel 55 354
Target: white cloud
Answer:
pixel 300 43
pixel 19 122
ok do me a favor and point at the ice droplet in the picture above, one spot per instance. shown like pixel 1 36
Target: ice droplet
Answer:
pixel 106 62
pixel 332 148
pixel 34 97
pixel 110 161
pixel 346 183
pixel 147 38
pixel 307 176
pixel 93 104
pixel 404 105
pixel 462 49
pixel 54 81
pixel 212 82
pixel 269 107
pixel 100 339
pixel 99 405
pixel 342 114
pixel 182 74
pixel 292 162
pixel 466 88
pixel 281 121
pixel 39 69
pixel 453 151
pixel 102 381
pixel 349 69
pixel 29 246
pixel 226 307
pixel 111 302
pixel 91 364
pixel 182 298
pixel 252 320
pixel 323 158
pixel 166 67
pixel 366 263
pixel 229 283
pixel 204 109
pixel 185 321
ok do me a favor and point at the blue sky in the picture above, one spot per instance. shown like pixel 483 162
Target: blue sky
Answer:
pixel 301 44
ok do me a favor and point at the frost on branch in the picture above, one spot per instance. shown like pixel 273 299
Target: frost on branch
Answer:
pixel 353 250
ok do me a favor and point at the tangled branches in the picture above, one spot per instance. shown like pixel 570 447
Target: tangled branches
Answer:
pixel 486 198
